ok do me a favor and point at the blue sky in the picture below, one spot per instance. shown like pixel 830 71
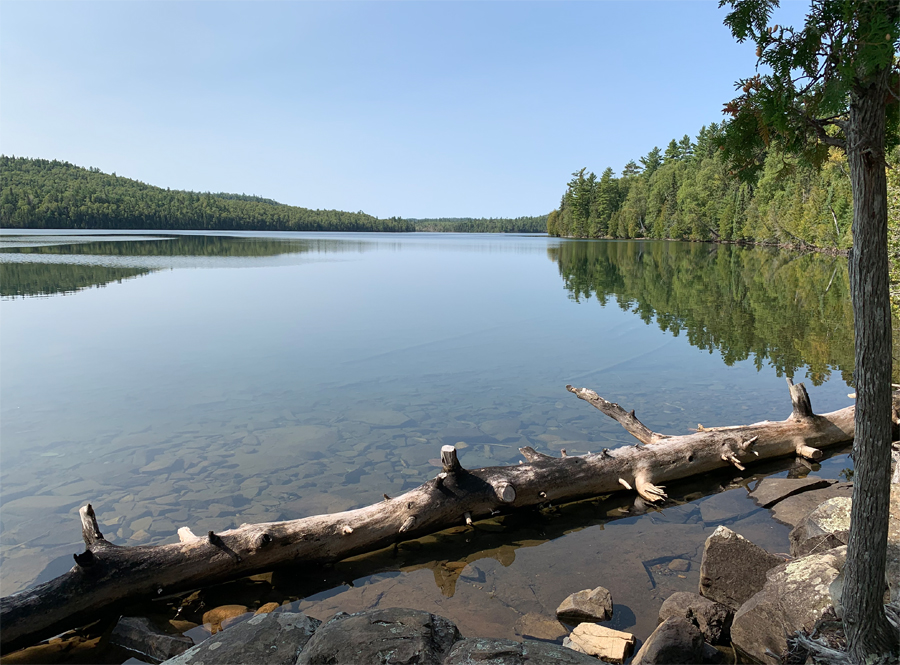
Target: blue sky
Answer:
pixel 416 109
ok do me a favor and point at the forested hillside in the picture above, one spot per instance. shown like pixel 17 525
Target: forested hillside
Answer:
pixel 689 192
pixel 38 193
pixel 482 225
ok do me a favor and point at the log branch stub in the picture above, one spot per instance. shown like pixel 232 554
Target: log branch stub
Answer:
pixel 185 535
pixel 648 491
pixel 729 457
pixel 809 452
pixel 800 401
pixel 407 525
pixel 90 530
pixel 505 492
pixel 468 517
pixel 626 419
pixel 624 483
pixel 449 460
pixel 532 456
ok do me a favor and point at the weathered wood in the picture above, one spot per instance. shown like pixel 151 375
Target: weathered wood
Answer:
pixel 107 574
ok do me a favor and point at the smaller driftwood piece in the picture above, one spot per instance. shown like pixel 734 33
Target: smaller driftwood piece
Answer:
pixel 106 576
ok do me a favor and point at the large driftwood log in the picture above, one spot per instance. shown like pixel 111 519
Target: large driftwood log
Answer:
pixel 107 575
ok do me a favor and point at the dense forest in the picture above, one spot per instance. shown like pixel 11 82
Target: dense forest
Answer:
pixel 729 299
pixel 482 225
pixel 689 192
pixel 39 193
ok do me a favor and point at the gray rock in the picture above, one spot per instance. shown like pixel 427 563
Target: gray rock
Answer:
pixel 680 565
pixel 793 509
pixel 675 641
pixel 770 491
pixel 727 506
pixel 733 568
pixel 275 639
pixel 588 605
pixel 486 651
pixel 140 635
pixel 795 596
pixel 712 618
pixel 825 528
pixel 378 637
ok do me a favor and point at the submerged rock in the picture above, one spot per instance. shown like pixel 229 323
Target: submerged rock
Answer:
pixel 711 618
pixel 276 638
pixel 770 491
pixel 793 509
pixel 540 627
pixel 613 646
pixel 486 651
pixel 587 605
pixel 381 636
pixel 140 635
pixel 795 596
pixel 733 568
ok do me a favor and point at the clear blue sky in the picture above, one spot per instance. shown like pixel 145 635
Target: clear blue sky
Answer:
pixel 416 109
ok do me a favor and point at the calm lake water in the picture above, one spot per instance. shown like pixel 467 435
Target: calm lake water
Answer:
pixel 211 380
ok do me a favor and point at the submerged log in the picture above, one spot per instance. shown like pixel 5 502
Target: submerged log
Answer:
pixel 106 575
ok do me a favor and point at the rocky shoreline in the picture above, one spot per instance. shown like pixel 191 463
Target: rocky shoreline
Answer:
pixel 748 604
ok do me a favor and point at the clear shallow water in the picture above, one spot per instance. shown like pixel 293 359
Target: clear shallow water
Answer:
pixel 208 381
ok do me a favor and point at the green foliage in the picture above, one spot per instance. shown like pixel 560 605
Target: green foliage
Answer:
pixel 692 193
pixel 38 193
pixel 482 225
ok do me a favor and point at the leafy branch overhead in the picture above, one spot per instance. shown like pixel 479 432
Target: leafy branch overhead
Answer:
pixel 800 95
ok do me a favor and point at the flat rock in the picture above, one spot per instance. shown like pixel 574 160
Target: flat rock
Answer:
pixel 770 491
pixel 675 641
pixel 733 568
pixel 826 527
pixel 794 597
pixel 711 618
pixel 587 605
pixel 793 509
pixel 613 646
pixel 727 506
pixel 487 651
pixel 140 635
pixel 276 638
pixel 382 418
pixel 540 627
pixel 679 565
pixel 380 637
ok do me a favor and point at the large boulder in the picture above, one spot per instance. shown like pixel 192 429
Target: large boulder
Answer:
pixel 140 635
pixel 613 646
pixel 675 641
pixel 588 605
pixel 275 639
pixel 826 527
pixel 795 596
pixel 733 568
pixel 711 618
pixel 378 637
pixel 829 526
pixel 485 651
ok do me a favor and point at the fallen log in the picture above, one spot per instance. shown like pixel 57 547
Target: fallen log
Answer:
pixel 107 575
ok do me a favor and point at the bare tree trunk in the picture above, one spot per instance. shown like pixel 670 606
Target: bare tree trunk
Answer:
pixel 106 575
pixel 868 631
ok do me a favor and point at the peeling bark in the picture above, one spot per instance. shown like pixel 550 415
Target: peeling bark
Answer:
pixel 106 574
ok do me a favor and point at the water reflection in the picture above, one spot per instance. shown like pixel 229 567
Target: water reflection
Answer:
pixel 786 309
pixel 40 279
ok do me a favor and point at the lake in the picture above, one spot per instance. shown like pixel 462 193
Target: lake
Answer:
pixel 208 380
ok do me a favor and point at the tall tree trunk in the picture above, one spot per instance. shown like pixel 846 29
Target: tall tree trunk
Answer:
pixel 868 631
